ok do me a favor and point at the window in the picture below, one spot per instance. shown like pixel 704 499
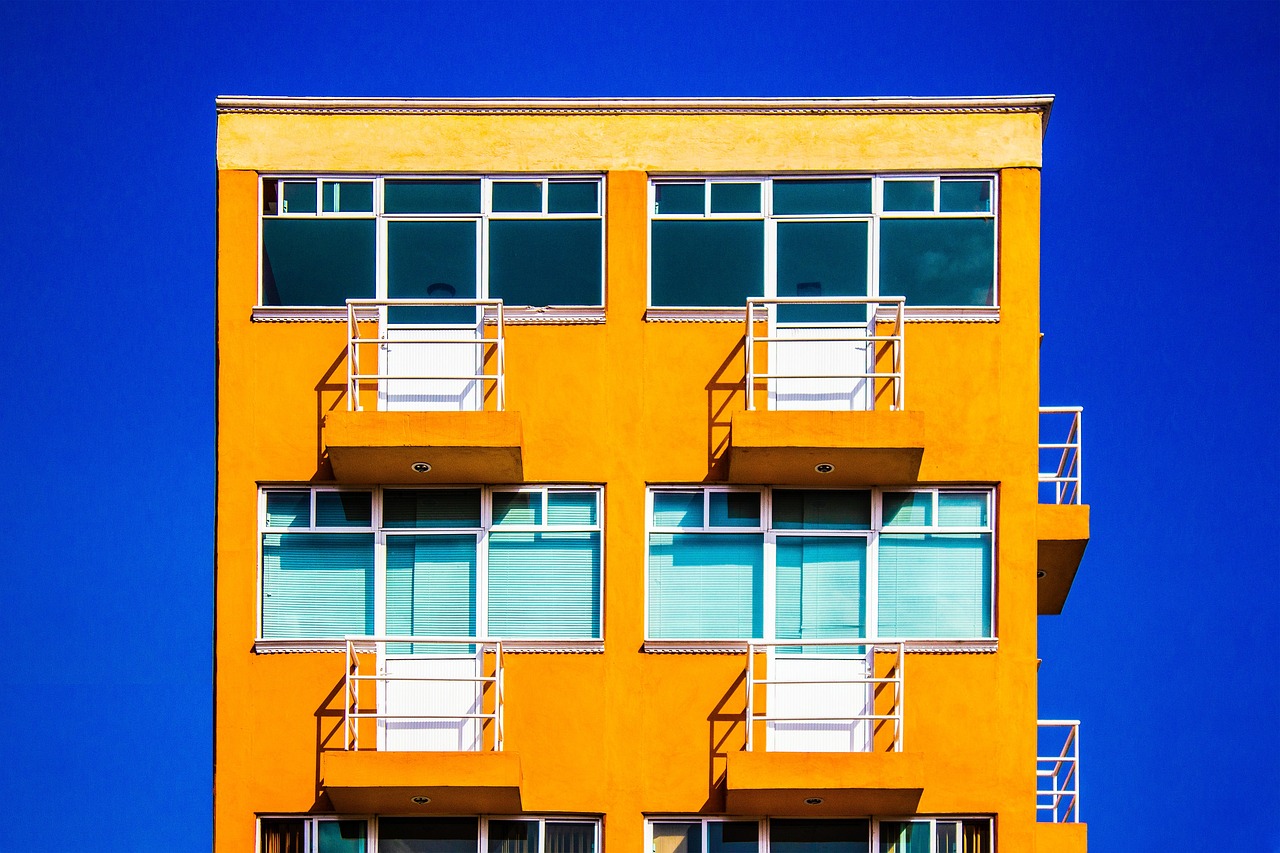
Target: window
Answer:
pixel 525 240
pixel 521 834
pixel 837 835
pixel 795 564
pixel 718 241
pixel 503 562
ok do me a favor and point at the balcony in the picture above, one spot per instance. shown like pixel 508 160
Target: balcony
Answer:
pixel 833 412
pixel 1060 829
pixel 831 716
pixel 423 718
pixel 426 395
pixel 1062 519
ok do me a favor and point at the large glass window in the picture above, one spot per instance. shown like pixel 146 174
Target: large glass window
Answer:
pixel 507 563
pixel 718 241
pixel 524 834
pixel 839 835
pixel 833 563
pixel 527 241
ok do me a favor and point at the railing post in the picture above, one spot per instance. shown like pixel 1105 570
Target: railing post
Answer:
pixel 749 352
pixel 751 696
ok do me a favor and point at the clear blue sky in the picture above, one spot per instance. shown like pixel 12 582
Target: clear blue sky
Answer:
pixel 1160 275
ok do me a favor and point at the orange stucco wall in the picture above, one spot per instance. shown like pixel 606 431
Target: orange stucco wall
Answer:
pixel 627 732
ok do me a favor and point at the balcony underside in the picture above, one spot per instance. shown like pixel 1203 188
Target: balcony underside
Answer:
pixel 1062 534
pixel 864 448
pixel 460 447
pixel 453 782
pixel 1062 838
pixel 778 783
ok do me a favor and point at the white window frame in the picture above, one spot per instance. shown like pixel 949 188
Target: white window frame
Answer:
pixel 381 533
pixel 871 535
pixel 310 837
pixel 873 218
pixel 482 219
pixel 764 825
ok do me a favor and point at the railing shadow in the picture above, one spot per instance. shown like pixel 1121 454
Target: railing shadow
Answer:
pixel 330 735
pixel 726 729
pixel 330 394
pixel 726 394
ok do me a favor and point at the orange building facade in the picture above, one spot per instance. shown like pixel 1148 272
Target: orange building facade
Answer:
pixel 651 476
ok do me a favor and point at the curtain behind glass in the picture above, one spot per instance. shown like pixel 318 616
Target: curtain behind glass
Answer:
pixel 282 835
pixel 571 837
pixel 677 838
pixel 513 836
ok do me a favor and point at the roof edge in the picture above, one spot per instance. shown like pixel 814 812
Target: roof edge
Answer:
pixel 606 106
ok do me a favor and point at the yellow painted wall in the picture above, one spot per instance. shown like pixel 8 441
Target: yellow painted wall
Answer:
pixel 624 732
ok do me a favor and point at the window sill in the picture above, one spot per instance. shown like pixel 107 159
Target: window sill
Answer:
pixel 514 316
pixel 275 647
pixel 738 647
pixel 917 314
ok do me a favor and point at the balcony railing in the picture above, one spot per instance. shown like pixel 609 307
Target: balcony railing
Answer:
pixel 1058 771
pixel 826 695
pixel 825 357
pixel 429 694
pixel 1060 460
pixel 426 354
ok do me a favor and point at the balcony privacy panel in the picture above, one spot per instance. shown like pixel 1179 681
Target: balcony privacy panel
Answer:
pixel 447 699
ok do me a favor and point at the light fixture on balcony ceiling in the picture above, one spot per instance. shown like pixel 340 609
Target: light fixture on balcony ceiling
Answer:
pixel 420 801
pixel 824 467
pixel 421 467
pixel 813 801
pixel 1040 573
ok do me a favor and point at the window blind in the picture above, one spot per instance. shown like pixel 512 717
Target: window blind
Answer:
pixel 317 585
pixel 934 585
pixel 820 589
pixel 705 586
pixel 544 585
pixel 431 589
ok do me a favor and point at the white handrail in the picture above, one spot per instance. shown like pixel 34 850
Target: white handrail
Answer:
pixel 895 647
pixel 362 644
pixel 1066 477
pixel 1058 776
pixel 859 333
pixel 365 311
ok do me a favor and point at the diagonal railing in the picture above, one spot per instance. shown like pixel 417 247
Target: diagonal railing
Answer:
pixel 1058 775
pixel 1062 457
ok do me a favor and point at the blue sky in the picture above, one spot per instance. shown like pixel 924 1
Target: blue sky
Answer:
pixel 1160 243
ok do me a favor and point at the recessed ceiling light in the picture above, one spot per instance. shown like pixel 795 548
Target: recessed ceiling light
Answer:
pixel 824 467
pixel 420 467
pixel 1040 573
pixel 420 801
pixel 813 801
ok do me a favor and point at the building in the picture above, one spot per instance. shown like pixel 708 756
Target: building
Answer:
pixel 640 475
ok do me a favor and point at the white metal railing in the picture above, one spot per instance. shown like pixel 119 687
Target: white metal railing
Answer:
pixel 362 648
pixel 491 350
pixel 881 311
pixel 1058 776
pixel 1065 477
pixel 863 712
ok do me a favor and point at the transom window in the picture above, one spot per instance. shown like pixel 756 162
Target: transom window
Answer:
pixel 502 562
pixel 795 564
pixel 717 241
pixel 526 240
pixel 778 835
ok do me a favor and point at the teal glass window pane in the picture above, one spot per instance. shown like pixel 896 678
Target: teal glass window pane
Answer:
pixel 677 509
pixel 517 196
pixel 289 509
pixel 513 836
pixel 431 260
pixel 573 837
pixel 299 196
pixel 938 261
pixel 735 509
pixel 705 585
pixel 962 509
pixel 677 837
pixel 680 198
pixel 316 585
pixel 573 197
pixel 341 836
pixel 347 196
pixel 317 261
pixel 733 836
pixel 431 196
pixel 735 198
pixel 428 834
pixel 964 196
pixel 817 259
pixel 821 509
pixel 702 263
pixel 426 508
pixel 431 590
pixel 908 509
pixel 935 586
pixel 578 508
pixel 544 585
pixel 792 198
pixel 900 836
pixel 344 509
pixel 546 262
pixel 819 836
pixel 908 195
pixel 820 588
pixel 517 508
